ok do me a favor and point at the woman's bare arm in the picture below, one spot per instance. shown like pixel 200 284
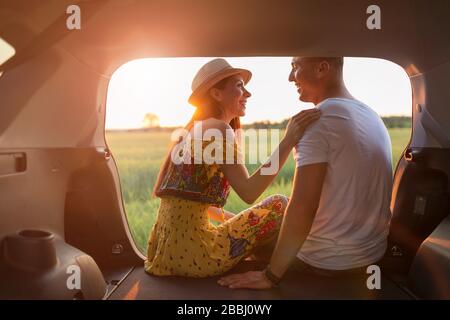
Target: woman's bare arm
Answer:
pixel 249 188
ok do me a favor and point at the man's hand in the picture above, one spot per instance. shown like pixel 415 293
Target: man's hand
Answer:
pixel 250 280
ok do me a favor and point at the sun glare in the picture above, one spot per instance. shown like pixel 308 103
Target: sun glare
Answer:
pixel 160 87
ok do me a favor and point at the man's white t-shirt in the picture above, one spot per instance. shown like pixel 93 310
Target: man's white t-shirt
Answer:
pixel 352 221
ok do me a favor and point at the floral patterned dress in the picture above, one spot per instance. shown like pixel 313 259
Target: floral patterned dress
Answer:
pixel 183 242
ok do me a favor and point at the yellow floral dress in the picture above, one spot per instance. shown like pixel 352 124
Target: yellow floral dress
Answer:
pixel 183 242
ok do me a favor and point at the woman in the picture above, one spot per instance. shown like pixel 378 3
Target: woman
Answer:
pixel 183 241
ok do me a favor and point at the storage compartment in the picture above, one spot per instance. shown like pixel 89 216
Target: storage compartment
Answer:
pixel 429 277
pixel 421 199
pixel 30 249
pixel 35 264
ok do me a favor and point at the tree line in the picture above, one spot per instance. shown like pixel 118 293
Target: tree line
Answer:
pixel 389 122
pixel 151 123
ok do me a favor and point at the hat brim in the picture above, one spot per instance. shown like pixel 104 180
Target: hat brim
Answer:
pixel 199 93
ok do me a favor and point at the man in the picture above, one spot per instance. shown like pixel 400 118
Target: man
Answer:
pixel 338 215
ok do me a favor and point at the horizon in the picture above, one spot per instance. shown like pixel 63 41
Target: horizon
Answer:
pixel 244 124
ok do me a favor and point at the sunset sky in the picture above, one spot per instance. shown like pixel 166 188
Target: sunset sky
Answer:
pixel 162 86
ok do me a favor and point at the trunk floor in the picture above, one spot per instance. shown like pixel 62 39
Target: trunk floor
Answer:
pixel 139 285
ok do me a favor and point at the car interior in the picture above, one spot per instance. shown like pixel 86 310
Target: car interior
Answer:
pixel 60 191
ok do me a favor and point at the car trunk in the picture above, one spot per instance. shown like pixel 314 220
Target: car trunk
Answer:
pixel 58 175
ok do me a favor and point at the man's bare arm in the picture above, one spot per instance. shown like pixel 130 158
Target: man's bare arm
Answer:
pixel 299 215
pixel 297 222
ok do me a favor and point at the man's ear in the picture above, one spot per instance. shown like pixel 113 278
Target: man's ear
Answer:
pixel 323 68
pixel 216 94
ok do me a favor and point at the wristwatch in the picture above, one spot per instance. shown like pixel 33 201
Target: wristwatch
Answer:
pixel 275 280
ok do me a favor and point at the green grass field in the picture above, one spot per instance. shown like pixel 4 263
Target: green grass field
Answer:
pixel 139 155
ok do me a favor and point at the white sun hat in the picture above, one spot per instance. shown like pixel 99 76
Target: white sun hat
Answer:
pixel 211 73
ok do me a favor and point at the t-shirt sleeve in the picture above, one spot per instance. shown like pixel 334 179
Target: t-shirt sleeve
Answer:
pixel 313 147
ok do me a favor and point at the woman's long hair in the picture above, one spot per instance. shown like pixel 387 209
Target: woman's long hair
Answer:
pixel 206 109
